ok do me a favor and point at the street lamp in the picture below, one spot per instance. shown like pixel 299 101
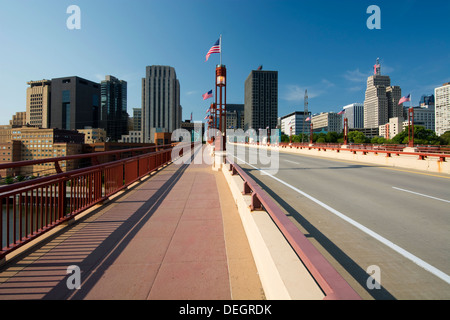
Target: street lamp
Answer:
pixel 221 101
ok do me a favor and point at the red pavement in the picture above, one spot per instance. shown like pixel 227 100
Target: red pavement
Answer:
pixel 164 239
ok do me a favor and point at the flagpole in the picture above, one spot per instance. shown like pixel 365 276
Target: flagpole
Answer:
pixel 220 49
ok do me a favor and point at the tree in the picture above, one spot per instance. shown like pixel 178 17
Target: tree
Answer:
pixel 421 136
pixel 321 140
pixel 378 140
pixel 357 137
pixel 445 138
pixel 284 138
pixel 331 137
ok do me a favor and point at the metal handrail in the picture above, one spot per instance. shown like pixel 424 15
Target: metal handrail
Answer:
pixel 80 156
pixel 36 206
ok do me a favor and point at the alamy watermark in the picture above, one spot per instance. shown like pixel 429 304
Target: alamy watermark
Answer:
pixel 265 158
pixel 374 280
pixel 73 281
pixel 73 22
pixel 374 21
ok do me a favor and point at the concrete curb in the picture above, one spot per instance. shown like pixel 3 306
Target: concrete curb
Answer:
pixel 403 161
pixel 283 275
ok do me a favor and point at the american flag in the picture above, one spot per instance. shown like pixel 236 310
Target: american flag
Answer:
pixel 342 112
pixel 404 99
pixel 207 95
pixel 214 49
pixel 308 119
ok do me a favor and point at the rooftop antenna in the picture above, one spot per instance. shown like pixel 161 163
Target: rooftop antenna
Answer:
pixel 305 113
pixel 377 68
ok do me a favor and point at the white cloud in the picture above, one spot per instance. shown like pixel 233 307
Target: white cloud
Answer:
pixel 355 88
pixel 297 92
pixel 356 76
pixel 99 77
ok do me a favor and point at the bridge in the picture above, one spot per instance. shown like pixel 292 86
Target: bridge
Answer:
pixel 171 223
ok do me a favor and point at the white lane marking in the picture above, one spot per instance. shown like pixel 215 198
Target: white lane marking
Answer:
pixel 291 161
pixel 438 273
pixel 421 194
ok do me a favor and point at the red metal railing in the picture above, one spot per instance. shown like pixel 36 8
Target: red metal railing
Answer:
pixel 364 149
pixel 31 208
pixel 329 280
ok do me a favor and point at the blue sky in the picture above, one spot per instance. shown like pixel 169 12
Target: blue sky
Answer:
pixel 322 46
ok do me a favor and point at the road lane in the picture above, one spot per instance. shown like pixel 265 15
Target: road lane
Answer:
pixel 365 194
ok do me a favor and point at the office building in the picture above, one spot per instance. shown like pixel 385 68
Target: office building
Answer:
pixel 368 132
pixel 132 137
pixel 293 123
pixel 75 103
pixel 38 103
pixel 427 101
pixel 423 116
pixel 137 119
pixel 161 109
pixel 235 116
pixel 327 122
pixel 355 115
pixel 113 106
pixel 261 100
pixel 42 143
pixel 392 128
pixel 196 130
pixel 10 153
pixel 442 108
pixel 93 135
pixel 381 100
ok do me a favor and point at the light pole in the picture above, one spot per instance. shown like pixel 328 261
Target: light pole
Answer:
pixel 411 128
pixel 221 102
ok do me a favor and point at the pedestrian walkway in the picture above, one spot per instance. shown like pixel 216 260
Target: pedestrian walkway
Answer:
pixel 175 236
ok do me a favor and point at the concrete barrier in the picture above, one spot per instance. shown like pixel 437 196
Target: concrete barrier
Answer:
pixel 405 161
pixel 283 275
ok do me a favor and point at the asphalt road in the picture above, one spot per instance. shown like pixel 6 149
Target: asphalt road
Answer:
pixel 390 223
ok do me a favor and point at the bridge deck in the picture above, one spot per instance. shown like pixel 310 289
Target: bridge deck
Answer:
pixel 174 236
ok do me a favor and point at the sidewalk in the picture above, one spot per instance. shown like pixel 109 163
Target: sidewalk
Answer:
pixel 172 237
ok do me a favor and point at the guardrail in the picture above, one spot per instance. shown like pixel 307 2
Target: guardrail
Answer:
pixel 386 147
pixel 420 155
pixel 33 207
pixel 329 280
pixel 429 149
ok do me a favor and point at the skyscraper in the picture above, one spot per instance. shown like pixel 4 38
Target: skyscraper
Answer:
pixel 113 115
pixel 38 103
pixel 137 119
pixel 261 100
pixel 235 112
pixel 381 100
pixel 161 109
pixel 294 123
pixel 427 101
pixel 442 108
pixel 75 103
pixel 355 114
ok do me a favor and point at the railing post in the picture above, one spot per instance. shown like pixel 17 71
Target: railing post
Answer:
pixel 247 189
pixel 62 201
pixel 256 203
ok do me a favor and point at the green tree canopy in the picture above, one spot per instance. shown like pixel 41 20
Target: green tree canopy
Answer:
pixel 445 138
pixel 421 136
pixel 357 137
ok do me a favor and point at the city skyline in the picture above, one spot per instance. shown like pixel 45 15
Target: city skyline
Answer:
pixel 325 48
